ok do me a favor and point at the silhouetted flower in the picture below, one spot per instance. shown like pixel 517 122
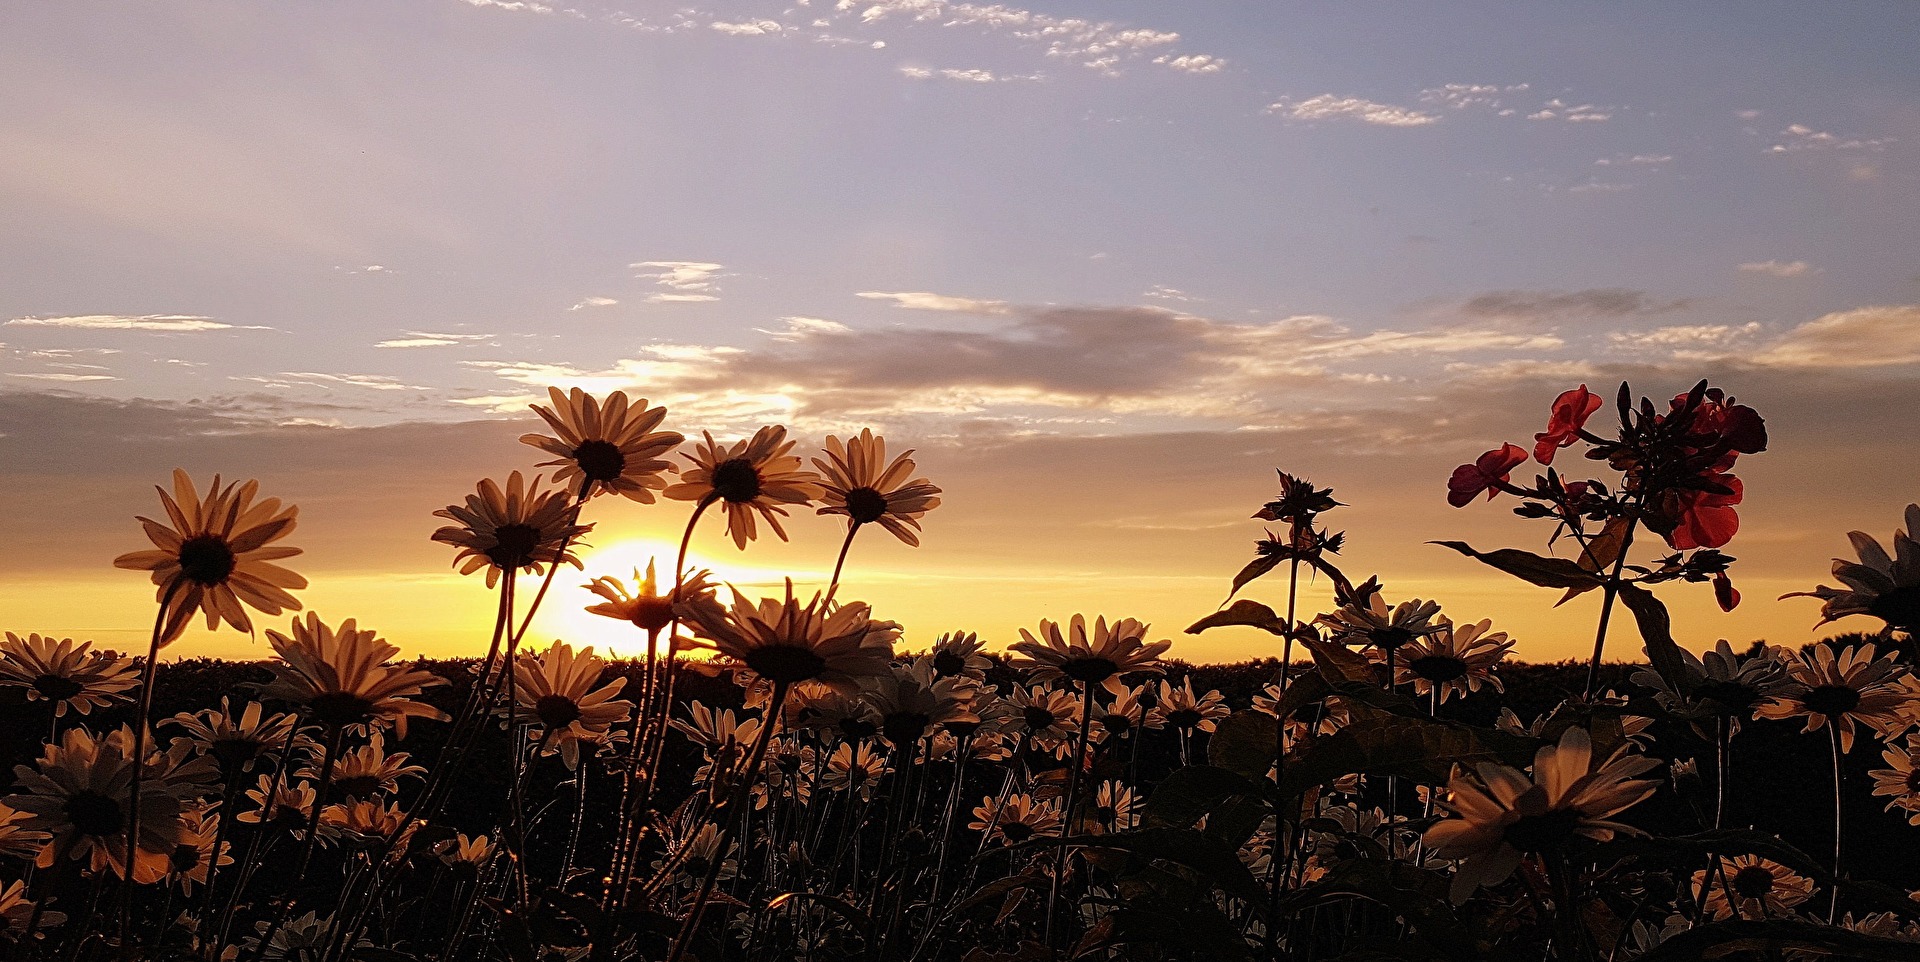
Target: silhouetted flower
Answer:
pixel 17 911
pixel 757 475
pixel 960 653
pixel 1882 585
pixel 1456 660
pixel 216 555
pixel 79 792
pixel 1103 657
pixel 1487 473
pixel 65 674
pixel 1761 889
pixel 853 768
pixel 647 608
pixel 1021 818
pixel 193 857
pixel 911 701
pixel 1375 625
pixel 1900 781
pixel 858 482
pixel 1570 413
pixel 1186 711
pixel 16 839
pixel 342 677
pixel 1841 688
pixel 367 770
pixel 557 687
pixel 519 528
pixel 786 642
pixel 611 447
pixel 235 741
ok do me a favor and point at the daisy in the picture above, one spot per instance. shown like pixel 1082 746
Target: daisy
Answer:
pixel 1722 684
pixel 1378 626
pixel 647 608
pixel 1046 716
pixel 858 482
pixel 755 475
pixel 465 856
pixel 1761 889
pixel 368 770
pixel 1840 689
pixel 78 792
pixel 715 730
pixel 1886 587
pixel 217 556
pixel 1456 660
pixel 611 447
pixel 519 528
pixel 16 839
pixel 854 768
pixel 693 854
pixel 1187 712
pixel 1500 816
pixel 557 686
pixel 846 714
pixel 961 653
pixel 1112 808
pixel 234 741
pixel 1120 717
pixel 910 701
pixel 1900 780
pixel 192 858
pixel 65 674
pixel 302 938
pixel 342 678
pixel 1021 818
pixel 1103 658
pixel 786 642
pixel 365 821
pixel 17 911
pixel 291 806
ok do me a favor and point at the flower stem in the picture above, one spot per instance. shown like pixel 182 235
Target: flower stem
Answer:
pixel 1833 901
pixel 833 585
pixel 1611 593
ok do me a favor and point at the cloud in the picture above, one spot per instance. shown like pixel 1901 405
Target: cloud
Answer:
pixel 1472 96
pixel 170 323
pixel 1634 160
pixel 63 376
pixel 593 302
pixel 748 28
pixel 1557 109
pixel 377 382
pixel 430 339
pixel 1192 63
pixel 923 301
pixel 1542 306
pixel 1799 137
pixel 1164 293
pixel 685 281
pixel 1877 336
pixel 974 75
pixel 1330 107
pixel 1779 268
pixel 1689 340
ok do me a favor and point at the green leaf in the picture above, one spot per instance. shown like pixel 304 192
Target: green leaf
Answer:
pixel 1254 569
pixel 1656 629
pixel 1530 567
pixel 1599 553
pixel 1244 743
pixel 1338 663
pixel 1243 612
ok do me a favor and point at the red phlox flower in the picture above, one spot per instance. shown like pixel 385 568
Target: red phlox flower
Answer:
pixel 1703 519
pixel 1725 593
pixel 1570 413
pixel 1487 473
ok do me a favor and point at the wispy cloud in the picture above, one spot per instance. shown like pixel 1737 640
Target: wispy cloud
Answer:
pixel 1799 137
pixel 376 382
pixel 924 301
pixel 970 75
pixel 593 302
pixel 431 339
pixel 63 376
pixel 1192 63
pixel 685 281
pixel 1779 268
pixel 1332 107
pixel 1878 336
pixel 1542 306
pixel 167 323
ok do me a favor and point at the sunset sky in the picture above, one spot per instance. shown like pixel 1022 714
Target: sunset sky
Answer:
pixel 1105 265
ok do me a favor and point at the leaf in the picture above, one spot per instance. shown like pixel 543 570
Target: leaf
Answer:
pixel 1386 744
pixel 1254 569
pixel 1416 895
pixel 998 888
pixel 1244 743
pixel 1656 629
pixel 1188 848
pixel 1189 793
pixel 1720 940
pixel 1338 663
pixel 1247 612
pixel 1530 567
pixel 1598 554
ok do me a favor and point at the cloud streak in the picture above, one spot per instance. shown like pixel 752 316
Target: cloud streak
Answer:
pixel 163 323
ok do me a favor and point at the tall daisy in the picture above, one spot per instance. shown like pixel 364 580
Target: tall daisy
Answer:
pixel 786 642
pixel 911 701
pixel 216 555
pixel 558 688
pixel 646 607
pixel 343 678
pixel 606 447
pixel 1455 660
pixel 520 527
pixel 65 674
pixel 1100 657
pixel 235 740
pixel 1759 888
pixel 1842 688
pixel 860 484
pixel 755 476
pixel 1882 585
pixel 80 792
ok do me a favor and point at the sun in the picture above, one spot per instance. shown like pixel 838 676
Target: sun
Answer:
pixel 563 614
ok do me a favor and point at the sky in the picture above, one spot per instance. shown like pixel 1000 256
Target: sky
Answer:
pixel 1104 266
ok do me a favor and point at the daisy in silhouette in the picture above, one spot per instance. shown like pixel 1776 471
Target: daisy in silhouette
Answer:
pixel 1456 660
pixel 755 476
pixel 342 677
pixel 520 527
pixel 465 856
pixel 1882 585
pixel 860 484
pixel 1385 629
pixel 1899 782
pixel 786 642
pixel 1100 657
pixel 714 729
pixel 911 702
pixel 281 802
pixel 647 608
pixel 1046 716
pixel 17 912
pixel 609 447
pixel 1842 688
pixel 65 674
pixel 558 687
pixel 192 858
pixel 961 653
pixel 1760 889
pixel 854 768
pixel 1186 712
pixel 16 839
pixel 216 555
pixel 79 791
pixel 234 740
pixel 368 770
pixel 1021 818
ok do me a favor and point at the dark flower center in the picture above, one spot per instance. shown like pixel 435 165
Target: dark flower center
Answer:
pixel 95 814
pixel 697 865
pixel 785 663
pixel 1913 782
pixel 599 460
pixel 358 786
pixel 1016 832
pixel 1537 833
pixel 736 480
pixel 1753 882
pixel 233 753
pixel 1183 718
pixel 513 545
pixel 1105 813
pixel 557 711
pixel 1899 607
pixel 856 727
pixel 866 504
pixel 1116 723
pixel 57 687
pixel 1438 668
pixel 336 708
pixel 1037 717
pixel 652 614
pixel 947 663
pixel 206 559
pixel 962 729
pixel 905 727
pixel 185 858
pixel 1089 670
pixel 1736 697
pixel 1832 700
pixel 1389 639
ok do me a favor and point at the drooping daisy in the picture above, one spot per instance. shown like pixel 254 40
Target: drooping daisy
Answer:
pixel 757 475
pixel 1457 659
pixel 65 674
pixel 605 447
pixel 78 792
pixel 1102 658
pixel 1185 711
pixel 192 858
pixel 786 642
pixel 1900 780
pixel 1761 888
pixel 342 677
pixel 465 856
pixel 647 608
pixel 218 554
pixel 1886 587
pixel 859 483
pixel 961 653
pixel 557 687
pixel 519 528
pixel 1500 816
pixel 234 741
pixel 911 701
pixel 368 770
pixel 1021 818
pixel 854 768
pixel 1841 689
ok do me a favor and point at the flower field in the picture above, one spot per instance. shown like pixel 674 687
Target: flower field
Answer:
pixel 790 777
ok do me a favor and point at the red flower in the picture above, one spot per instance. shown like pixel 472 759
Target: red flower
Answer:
pixel 1736 427
pixel 1725 593
pixel 1487 473
pixel 1703 519
pixel 1570 413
